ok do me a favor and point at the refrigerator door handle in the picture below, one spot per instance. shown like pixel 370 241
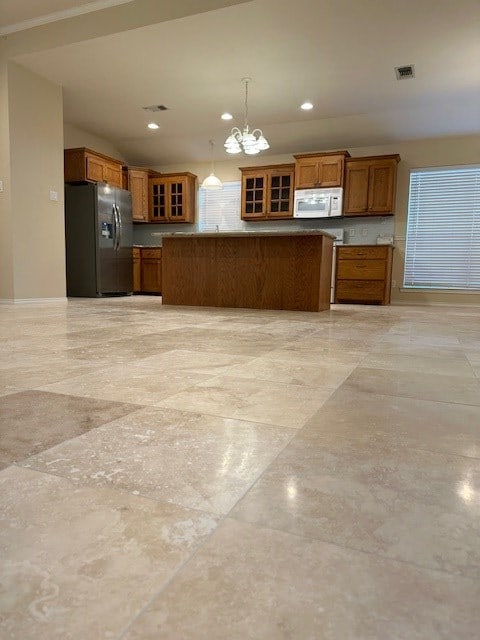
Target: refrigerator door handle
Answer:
pixel 115 227
pixel 119 219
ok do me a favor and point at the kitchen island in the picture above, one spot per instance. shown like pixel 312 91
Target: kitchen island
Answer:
pixel 287 270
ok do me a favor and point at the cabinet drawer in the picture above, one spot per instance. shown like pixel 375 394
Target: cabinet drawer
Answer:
pixel 368 253
pixel 136 253
pixel 359 290
pixel 154 254
pixel 361 269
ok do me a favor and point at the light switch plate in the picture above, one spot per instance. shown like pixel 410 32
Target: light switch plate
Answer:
pixel 1 186
pixel 351 232
pixel 54 196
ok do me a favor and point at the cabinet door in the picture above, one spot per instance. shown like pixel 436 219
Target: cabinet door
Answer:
pixel 137 286
pixel 94 169
pixel 177 200
pixel 356 188
pixel 381 186
pixel 280 194
pixel 330 171
pixel 306 173
pixel 112 174
pixel 158 200
pixel 138 186
pixel 254 196
pixel 151 271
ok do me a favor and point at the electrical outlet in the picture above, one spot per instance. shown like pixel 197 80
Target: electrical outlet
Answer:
pixel 351 232
pixel 364 232
pixel 54 196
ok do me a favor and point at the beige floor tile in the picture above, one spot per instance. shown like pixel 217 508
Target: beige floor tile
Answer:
pixel 293 371
pixel 80 562
pixel 408 422
pixel 192 361
pixel 393 474
pixel 259 401
pixel 410 384
pixel 445 365
pixel 409 505
pixel 32 421
pixel 203 462
pixel 251 583
pixel 131 382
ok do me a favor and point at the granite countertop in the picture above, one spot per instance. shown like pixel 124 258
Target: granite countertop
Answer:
pixel 240 234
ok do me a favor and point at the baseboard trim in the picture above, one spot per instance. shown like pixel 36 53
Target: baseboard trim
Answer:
pixel 32 300
pixel 412 303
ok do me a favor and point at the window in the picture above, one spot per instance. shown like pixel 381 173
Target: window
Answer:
pixel 443 229
pixel 220 210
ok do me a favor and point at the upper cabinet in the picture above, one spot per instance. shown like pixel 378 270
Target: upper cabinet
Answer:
pixel 267 192
pixel 136 181
pixel 85 165
pixel 173 198
pixel 370 185
pixel 320 169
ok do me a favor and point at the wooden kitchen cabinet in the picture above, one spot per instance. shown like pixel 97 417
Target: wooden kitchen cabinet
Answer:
pixel 147 270
pixel 173 198
pixel 137 280
pixel 136 181
pixel 370 185
pixel 267 192
pixel 320 169
pixel 363 274
pixel 84 165
pixel 151 270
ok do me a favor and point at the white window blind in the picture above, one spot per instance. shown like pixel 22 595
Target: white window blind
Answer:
pixel 443 230
pixel 220 209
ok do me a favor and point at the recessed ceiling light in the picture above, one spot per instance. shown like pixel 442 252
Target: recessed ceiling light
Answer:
pixel 227 116
pixel 306 106
pixel 153 125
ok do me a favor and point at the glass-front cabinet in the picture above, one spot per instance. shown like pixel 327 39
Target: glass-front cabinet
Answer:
pixel 172 198
pixel 267 192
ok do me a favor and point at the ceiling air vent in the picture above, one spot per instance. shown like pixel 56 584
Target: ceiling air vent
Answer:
pixel 156 107
pixel 405 72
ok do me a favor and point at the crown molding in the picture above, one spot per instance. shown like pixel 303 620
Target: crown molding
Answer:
pixel 96 5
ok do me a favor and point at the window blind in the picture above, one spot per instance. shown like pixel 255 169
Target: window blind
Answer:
pixel 443 229
pixel 220 208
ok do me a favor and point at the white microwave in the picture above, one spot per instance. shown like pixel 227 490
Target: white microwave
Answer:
pixel 318 203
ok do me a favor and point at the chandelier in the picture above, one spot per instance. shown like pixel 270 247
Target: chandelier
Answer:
pixel 251 142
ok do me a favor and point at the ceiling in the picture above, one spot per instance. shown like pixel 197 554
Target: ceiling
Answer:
pixel 15 15
pixel 340 54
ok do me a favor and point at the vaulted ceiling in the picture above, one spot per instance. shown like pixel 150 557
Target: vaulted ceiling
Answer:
pixel 339 54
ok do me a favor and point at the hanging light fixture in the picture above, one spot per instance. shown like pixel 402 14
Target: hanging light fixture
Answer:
pixel 251 142
pixel 212 182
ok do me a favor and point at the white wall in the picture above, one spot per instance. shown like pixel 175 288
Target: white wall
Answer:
pixel 35 112
pixel 75 137
pixel 6 260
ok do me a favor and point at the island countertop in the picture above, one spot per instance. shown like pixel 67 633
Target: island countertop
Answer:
pixel 240 234
pixel 288 270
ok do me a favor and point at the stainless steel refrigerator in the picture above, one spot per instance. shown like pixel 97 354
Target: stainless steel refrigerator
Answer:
pixel 99 239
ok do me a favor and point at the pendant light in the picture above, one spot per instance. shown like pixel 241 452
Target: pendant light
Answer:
pixel 211 182
pixel 252 143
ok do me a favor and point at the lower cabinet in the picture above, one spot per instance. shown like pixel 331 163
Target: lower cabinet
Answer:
pixel 363 274
pixel 147 270
pixel 137 280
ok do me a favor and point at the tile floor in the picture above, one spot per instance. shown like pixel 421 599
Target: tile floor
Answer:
pixel 202 474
